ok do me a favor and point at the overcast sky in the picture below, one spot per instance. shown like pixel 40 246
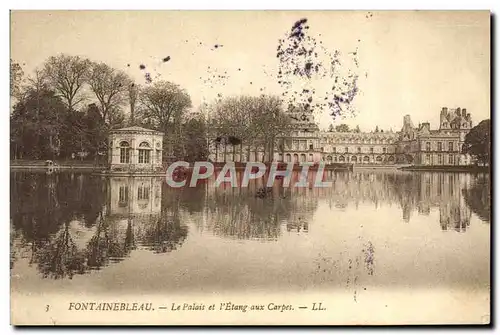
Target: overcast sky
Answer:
pixel 409 62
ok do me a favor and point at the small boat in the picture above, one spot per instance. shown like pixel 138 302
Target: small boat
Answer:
pixel 263 192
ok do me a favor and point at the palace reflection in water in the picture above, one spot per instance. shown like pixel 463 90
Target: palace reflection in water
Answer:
pixel 71 224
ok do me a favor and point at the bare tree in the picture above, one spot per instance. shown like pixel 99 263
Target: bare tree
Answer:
pixel 37 81
pixel 67 76
pixel 133 92
pixel 110 87
pixel 256 122
pixel 230 123
pixel 270 123
pixel 163 105
pixel 162 101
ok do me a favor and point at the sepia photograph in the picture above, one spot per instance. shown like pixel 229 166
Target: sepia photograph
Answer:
pixel 271 167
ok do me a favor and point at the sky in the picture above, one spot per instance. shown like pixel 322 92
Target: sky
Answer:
pixel 413 62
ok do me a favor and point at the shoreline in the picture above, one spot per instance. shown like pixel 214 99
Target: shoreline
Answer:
pixel 102 170
pixel 448 168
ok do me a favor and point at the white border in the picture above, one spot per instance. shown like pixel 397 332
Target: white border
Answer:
pixel 184 4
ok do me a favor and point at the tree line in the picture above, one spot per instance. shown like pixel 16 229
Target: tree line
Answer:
pixel 68 105
pixel 246 124
pixel 66 108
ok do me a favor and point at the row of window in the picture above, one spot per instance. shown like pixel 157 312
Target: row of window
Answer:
pixel 440 159
pixel 439 146
pixel 358 150
pixel 144 156
pixel 142 194
pixel 355 141
pixel 125 144
pixel 355 159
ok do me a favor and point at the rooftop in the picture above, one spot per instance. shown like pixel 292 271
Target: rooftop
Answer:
pixel 134 129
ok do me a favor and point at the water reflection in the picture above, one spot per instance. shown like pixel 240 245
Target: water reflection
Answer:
pixel 478 197
pixel 68 224
pixel 453 194
pixel 239 213
pixel 73 224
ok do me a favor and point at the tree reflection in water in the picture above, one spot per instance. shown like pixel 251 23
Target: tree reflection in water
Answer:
pixel 239 213
pixel 69 223
pixel 64 225
pixel 478 197
pixel 110 243
pixel 163 232
pixel 60 257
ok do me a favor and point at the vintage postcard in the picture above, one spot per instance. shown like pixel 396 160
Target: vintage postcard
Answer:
pixel 250 168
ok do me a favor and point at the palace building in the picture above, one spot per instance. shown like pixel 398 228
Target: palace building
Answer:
pixel 418 145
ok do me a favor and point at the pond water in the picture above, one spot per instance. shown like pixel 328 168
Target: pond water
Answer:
pixel 75 232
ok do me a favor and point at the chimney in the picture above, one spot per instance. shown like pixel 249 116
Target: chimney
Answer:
pixel 407 121
pixel 464 112
pixel 457 111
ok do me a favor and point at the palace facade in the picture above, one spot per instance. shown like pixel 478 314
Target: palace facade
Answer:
pixel 418 145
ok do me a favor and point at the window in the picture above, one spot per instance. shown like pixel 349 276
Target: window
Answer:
pixel 440 146
pixel 346 149
pixel 384 150
pixel 124 155
pixel 440 185
pixel 428 158
pixel 143 193
pixel 310 147
pixel 359 150
pixel 428 146
pixel 450 146
pixel 334 150
pixel 310 157
pixel 371 150
pixel 124 152
pixel 123 196
pixel 440 159
pixel 450 159
pixel 144 154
